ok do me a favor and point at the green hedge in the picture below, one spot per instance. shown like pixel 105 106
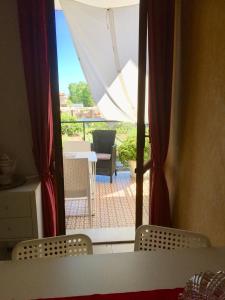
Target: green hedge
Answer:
pixel 128 150
pixel 70 129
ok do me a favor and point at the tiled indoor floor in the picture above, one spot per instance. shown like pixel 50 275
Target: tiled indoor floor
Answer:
pixel 115 204
pixel 113 248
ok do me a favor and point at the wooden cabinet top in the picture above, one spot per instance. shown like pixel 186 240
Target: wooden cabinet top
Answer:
pixel 28 186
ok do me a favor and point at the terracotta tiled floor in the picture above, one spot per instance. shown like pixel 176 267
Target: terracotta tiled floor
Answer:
pixel 115 204
pixel 113 248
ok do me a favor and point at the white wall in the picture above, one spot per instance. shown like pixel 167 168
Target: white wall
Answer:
pixel 198 121
pixel 15 131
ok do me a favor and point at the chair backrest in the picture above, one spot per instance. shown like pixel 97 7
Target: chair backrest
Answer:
pixel 76 177
pixel 103 140
pixel 151 237
pixel 76 146
pixel 59 246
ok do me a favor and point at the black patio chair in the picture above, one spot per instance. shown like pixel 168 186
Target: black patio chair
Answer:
pixel 105 148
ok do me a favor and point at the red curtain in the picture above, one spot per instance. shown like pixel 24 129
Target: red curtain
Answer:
pixel 33 23
pixel 160 43
pixel 166 294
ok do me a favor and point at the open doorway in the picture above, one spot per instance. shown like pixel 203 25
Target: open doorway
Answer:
pixel 113 218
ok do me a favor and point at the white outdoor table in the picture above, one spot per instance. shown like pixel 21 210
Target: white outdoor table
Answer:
pixel 90 155
pixel 106 273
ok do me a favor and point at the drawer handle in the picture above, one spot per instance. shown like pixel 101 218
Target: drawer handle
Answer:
pixel 6 207
pixel 9 228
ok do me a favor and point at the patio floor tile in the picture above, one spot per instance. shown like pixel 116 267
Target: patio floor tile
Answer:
pixel 115 204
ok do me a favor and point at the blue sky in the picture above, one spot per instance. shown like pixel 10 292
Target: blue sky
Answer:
pixel 68 64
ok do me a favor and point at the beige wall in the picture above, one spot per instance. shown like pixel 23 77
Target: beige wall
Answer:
pixel 15 132
pixel 198 126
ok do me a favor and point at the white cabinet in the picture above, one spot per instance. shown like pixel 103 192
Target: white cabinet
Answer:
pixel 20 214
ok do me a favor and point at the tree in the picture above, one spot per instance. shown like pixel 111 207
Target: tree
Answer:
pixel 80 93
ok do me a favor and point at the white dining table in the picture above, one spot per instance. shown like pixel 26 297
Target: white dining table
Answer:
pixel 105 273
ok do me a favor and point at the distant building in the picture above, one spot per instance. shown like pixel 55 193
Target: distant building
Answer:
pixel 82 112
pixel 63 99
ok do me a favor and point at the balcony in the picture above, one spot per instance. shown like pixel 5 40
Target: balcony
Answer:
pixel 114 207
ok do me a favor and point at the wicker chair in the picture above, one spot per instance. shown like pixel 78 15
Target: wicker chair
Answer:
pixel 77 181
pixel 59 246
pixel 151 238
pixel 76 146
pixel 103 145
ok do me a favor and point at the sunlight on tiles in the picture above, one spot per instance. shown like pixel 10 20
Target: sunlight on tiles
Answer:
pixel 114 207
pixel 113 248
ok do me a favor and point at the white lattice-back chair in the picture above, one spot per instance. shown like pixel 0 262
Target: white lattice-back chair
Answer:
pixel 77 181
pixel 76 146
pixel 151 237
pixel 59 246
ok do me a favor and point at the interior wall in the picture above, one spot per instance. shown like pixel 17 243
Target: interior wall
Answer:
pixel 199 198
pixel 15 131
pixel 171 166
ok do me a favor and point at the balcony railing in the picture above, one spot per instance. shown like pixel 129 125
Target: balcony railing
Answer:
pixel 84 122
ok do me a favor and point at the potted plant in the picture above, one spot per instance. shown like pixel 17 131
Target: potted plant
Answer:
pixel 127 153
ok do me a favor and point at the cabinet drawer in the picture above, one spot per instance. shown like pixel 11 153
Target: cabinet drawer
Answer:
pixel 14 205
pixel 15 228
